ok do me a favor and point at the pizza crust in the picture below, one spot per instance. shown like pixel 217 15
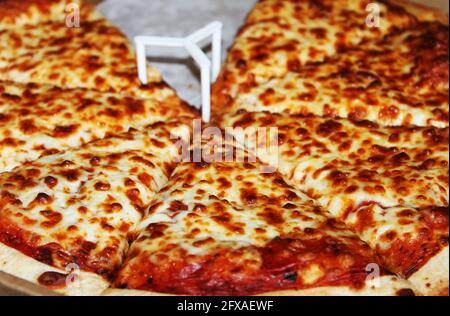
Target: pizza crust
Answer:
pixel 17 264
pixel 422 12
pixel 389 286
pixel 432 279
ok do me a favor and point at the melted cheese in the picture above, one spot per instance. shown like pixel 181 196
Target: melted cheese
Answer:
pixel 400 80
pixel 98 56
pixel 37 120
pixel 404 237
pixel 344 164
pixel 84 204
pixel 93 195
pixel 25 12
pixel 281 36
pixel 383 183
pixel 209 208
pixel 200 195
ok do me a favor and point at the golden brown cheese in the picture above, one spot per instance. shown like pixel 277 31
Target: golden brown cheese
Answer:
pixel 345 164
pixel 77 207
pixel 94 56
pixel 389 185
pixel 283 36
pixel 406 238
pixel 401 80
pixel 39 120
pixel 225 228
pixel 18 41
pixel 17 13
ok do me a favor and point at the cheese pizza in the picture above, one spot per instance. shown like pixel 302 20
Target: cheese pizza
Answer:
pixel 391 185
pixel 106 187
pixel 282 36
pixel 400 80
pixel 15 13
pixel 38 120
pixel 95 56
pixel 76 208
pixel 227 229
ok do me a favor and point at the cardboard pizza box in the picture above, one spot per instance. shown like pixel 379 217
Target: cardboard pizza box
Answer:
pixel 10 285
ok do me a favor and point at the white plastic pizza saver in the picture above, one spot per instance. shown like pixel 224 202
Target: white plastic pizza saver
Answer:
pixel 209 69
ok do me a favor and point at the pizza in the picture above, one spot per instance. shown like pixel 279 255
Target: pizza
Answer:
pixel 81 208
pixel 111 187
pixel 282 36
pixel 401 80
pixel 388 184
pixel 75 209
pixel 39 120
pixel 342 163
pixel 26 12
pixel 227 229
pixel 95 56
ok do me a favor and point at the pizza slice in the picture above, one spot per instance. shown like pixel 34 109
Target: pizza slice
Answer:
pixel 390 185
pixel 400 80
pixel 65 218
pixel 226 228
pixel 94 56
pixel 38 120
pixel 344 164
pixel 281 36
pixel 413 242
pixel 15 13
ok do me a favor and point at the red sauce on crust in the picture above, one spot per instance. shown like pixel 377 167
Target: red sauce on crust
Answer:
pixel 408 256
pixel 54 254
pixel 284 265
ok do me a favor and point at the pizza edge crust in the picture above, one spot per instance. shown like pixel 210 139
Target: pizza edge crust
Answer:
pixel 389 286
pixel 435 274
pixel 423 12
pixel 26 268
